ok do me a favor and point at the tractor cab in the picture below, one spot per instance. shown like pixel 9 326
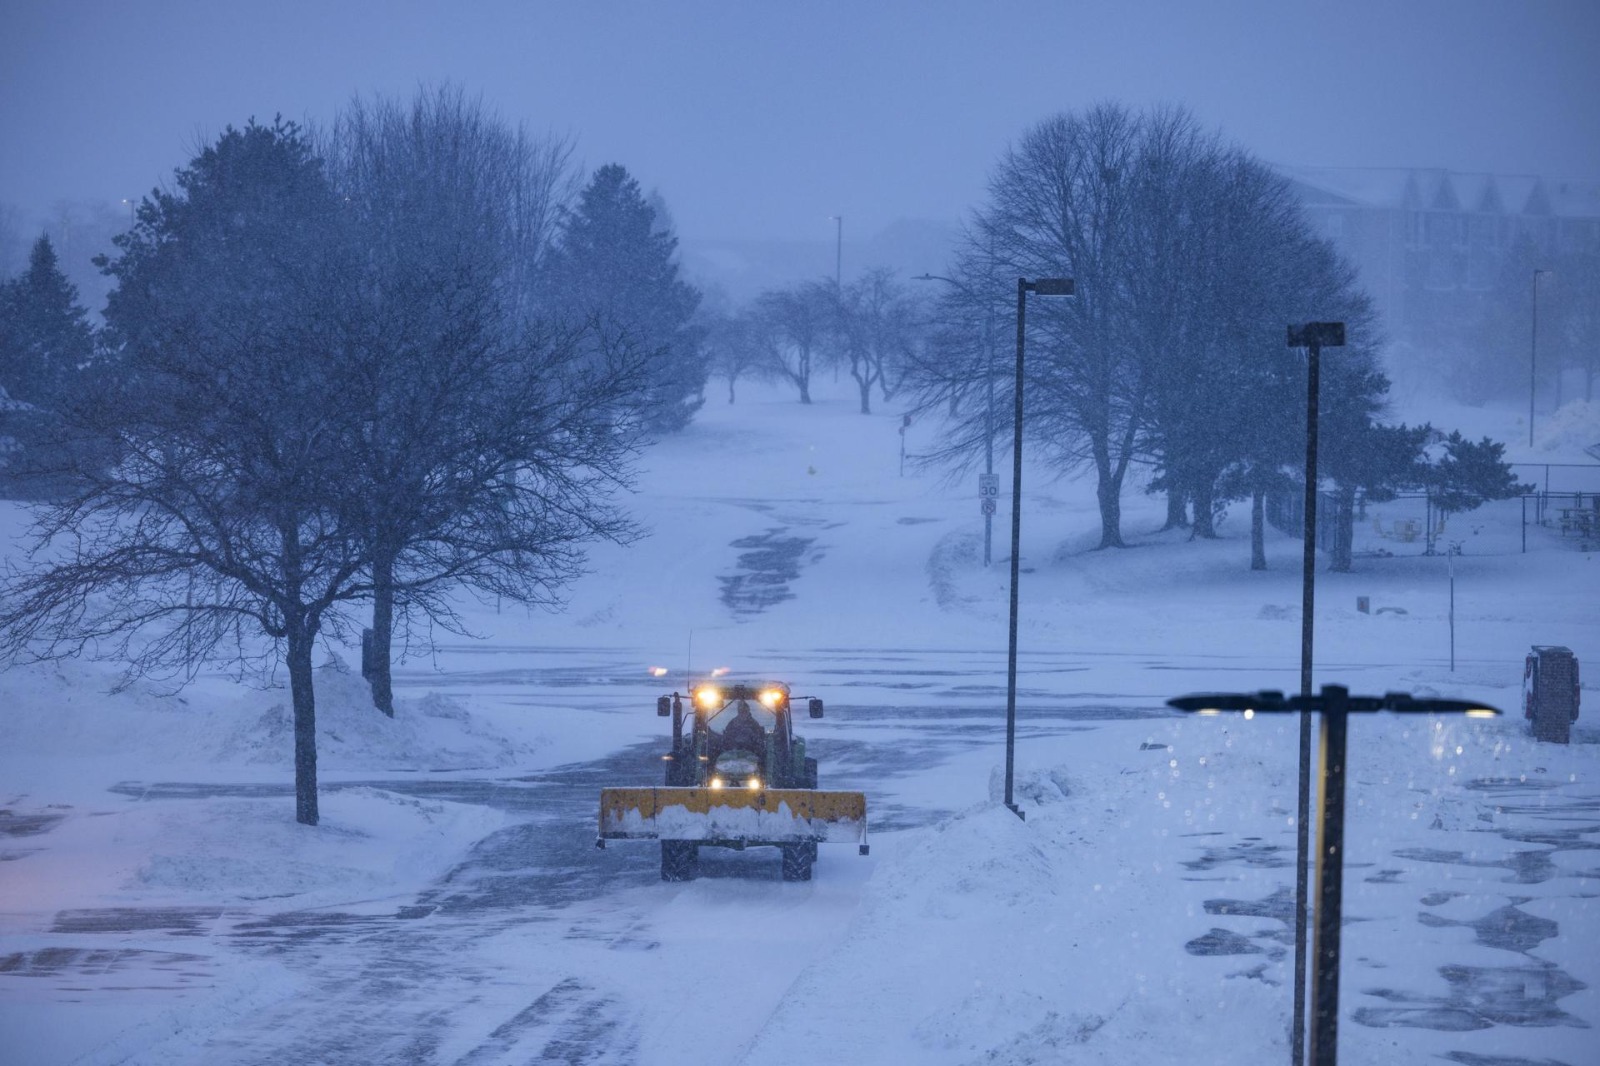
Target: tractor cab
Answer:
pixel 737 735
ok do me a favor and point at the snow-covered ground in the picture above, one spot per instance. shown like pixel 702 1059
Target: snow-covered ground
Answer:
pixel 159 905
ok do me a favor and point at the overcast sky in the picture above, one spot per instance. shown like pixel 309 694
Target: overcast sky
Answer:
pixel 761 119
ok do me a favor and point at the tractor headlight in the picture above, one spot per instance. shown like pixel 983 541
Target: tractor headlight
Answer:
pixel 717 782
pixel 771 698
pixel 708 697
pixel 754 784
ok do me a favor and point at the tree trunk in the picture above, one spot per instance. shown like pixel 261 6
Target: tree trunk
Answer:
pixel 731 379
pixel 1344 529
pixel 382 633
pixel 1108 492
pixel 305 723
pixel 1177 511
pixel 1258 530
pixel 1205 519
pixel 866 394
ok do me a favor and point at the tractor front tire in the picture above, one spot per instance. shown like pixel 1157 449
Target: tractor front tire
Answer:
pixel 797 860
pixel 680 860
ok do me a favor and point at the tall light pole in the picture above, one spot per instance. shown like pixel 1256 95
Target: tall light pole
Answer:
pixel 987 486
pixel 1533 355
pixel 838 252
pixel 1044 287
pixel 1312 337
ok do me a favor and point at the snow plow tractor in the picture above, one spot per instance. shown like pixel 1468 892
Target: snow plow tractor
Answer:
pixel 737 777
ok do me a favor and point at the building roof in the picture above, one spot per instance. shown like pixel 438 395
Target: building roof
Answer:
pixel 1435 189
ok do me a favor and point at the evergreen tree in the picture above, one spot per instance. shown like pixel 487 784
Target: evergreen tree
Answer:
pixel 45 343
pixel 45 335
pixel 615 262
pixel 1471 474
pixel 1375 460
pixel 212 535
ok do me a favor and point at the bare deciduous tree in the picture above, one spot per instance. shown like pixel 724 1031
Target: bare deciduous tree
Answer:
pixel 795 327
pixel 875 333
pixel 486 445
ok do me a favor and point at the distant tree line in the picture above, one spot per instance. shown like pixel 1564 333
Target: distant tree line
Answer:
pixel 869 329
pixel 1190 258
pixel 1496 363
pixel 374 365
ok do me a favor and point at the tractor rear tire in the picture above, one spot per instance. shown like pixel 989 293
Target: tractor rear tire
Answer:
pixel 797 860
pixel 680 860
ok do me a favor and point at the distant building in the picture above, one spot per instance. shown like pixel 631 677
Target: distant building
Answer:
pixel 1430 244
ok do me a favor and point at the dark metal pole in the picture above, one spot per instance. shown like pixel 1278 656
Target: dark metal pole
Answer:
pixel 1533 356
pixel 988 437
pixel 1330 878
pixel 1307 618
pixel 838 252
pixel 1016 549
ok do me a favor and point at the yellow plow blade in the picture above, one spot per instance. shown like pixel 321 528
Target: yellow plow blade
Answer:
pixel 767 816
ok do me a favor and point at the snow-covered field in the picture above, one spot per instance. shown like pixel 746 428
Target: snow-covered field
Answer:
pixel 159 905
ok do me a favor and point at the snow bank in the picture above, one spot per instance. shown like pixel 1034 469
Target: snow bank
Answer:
pixel 371 844
pixel 66 711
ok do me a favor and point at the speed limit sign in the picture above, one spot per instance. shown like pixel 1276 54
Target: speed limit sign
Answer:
pixel 988 487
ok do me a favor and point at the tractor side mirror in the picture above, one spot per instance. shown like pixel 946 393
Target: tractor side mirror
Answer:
pixel 815 707
pixel 664 706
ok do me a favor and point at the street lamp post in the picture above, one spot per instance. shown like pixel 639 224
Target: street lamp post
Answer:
pixel 1044 287
pixel 838 252
pixel 1533 355
pixel 1335 705
pixel 1312 337
pixel 988 429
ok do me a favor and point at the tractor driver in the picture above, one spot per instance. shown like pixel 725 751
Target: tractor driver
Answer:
pixel 744 732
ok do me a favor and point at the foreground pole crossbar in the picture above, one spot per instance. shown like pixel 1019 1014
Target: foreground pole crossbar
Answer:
pixel 1335 704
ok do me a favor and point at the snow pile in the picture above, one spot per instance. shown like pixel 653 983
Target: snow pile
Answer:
pixel 429 733
pixel 1572 428
pixel 371 845
pixel 991 939
pixel 66 711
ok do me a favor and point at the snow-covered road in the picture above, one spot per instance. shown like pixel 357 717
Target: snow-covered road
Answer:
pixel 452 907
